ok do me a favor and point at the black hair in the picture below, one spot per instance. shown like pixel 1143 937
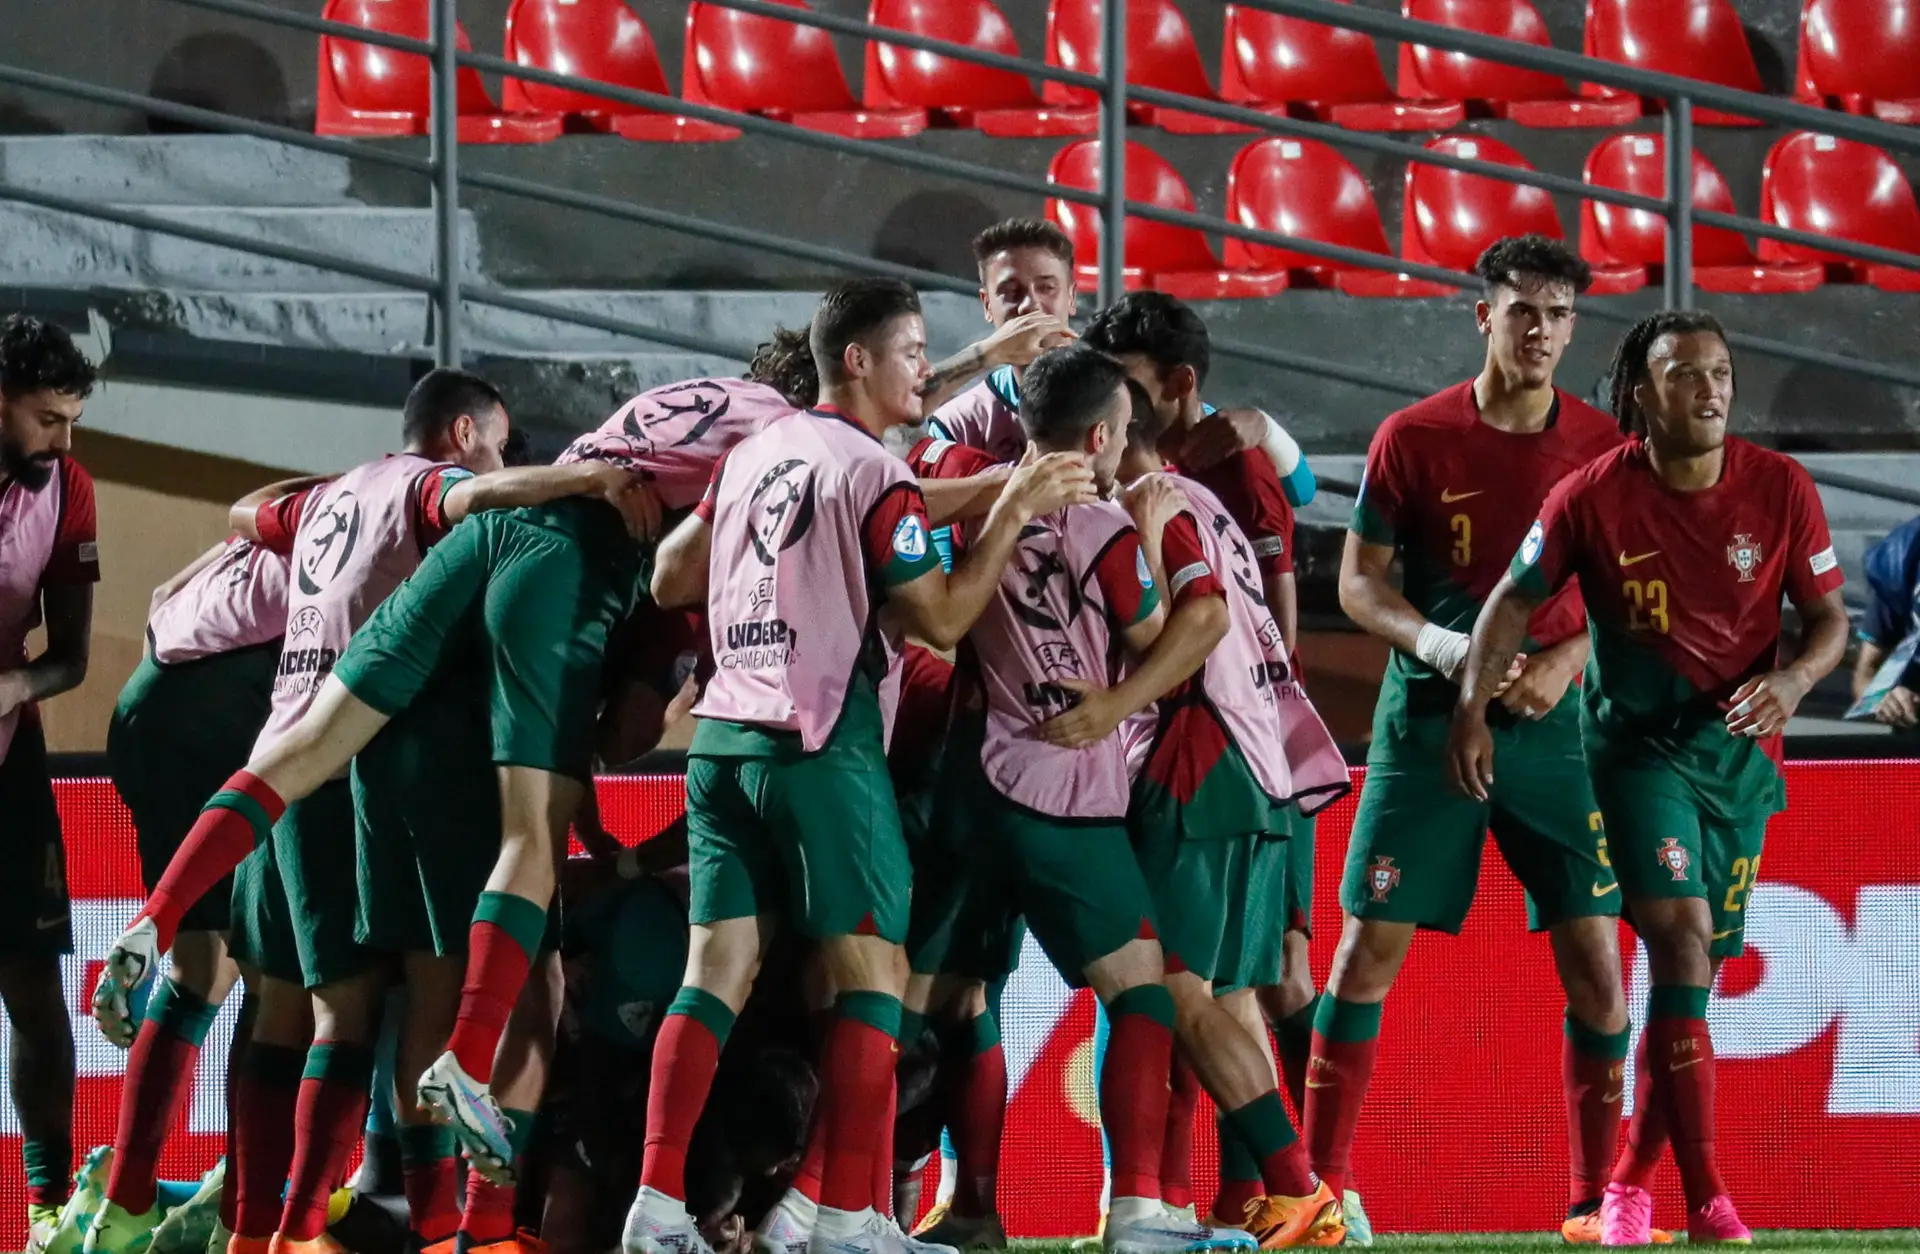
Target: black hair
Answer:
pixel 1145 430
pixel 1630 359
pixel 518 450
pixel 1022 233
pixel 441 396
pixel 1160 328
pixel 850 313
pixel 1509 261
pixel 1064 392
pixel 785 364
pixel 39 356
pixel 763 1105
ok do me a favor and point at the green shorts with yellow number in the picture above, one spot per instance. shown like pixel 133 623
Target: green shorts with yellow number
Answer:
pixel 295 897
pixel 1416 847
pixel 543 586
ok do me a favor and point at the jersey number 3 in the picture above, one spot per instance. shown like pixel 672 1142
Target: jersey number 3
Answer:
pixel 1647 604
pixel 1462 539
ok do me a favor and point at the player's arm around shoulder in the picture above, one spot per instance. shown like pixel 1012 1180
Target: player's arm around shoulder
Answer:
pixel 521 486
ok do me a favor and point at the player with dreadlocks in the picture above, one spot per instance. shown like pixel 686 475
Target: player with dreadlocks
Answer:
pixel 1683 542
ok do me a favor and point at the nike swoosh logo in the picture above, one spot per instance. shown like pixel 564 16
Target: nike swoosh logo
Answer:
pixel 1723 935
pixel 44 924
pixel 1321 1084
pixel 1637 559
pixel 1601 892
pixel 1448 498
pixel 1682 1066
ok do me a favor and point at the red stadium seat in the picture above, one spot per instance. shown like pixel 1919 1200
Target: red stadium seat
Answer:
pixel 1161 53
pixel 601 40
pixel 1451 216
pixel 1176 260
pixel 1699 39
pixel 1616 236
pixel 998 102
pixel 372 92
pixel 1848 190
pixel 1305 188
pixel 1865 54
pixel 1283 65
pixel 1507 91
pixel 782 70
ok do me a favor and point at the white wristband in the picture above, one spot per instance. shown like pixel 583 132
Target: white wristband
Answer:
pixel 1445 651
pixel 1280 446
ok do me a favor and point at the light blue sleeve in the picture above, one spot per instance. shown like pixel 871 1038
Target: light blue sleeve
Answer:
pixel 1300 486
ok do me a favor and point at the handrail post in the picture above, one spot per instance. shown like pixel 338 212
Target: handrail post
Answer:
pixel 1679 126
pixel 445 150
pixel 1113 152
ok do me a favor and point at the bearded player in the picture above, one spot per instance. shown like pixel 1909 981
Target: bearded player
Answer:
pixel 1450 487
pixel 1683 542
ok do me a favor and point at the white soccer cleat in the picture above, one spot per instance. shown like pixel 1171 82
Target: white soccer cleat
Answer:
pixel 1147 1226
pixel 913 1244
pixel 788 1227
pixel 190 1225
pixel 658 1224
pixel 131 960
pixel 863 1232
pixel 455 1099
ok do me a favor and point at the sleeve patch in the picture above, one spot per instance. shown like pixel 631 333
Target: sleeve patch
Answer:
pixel 1535 541
pixel 90 552
pixel 1186 575
pixel 1269 546
pixel 1823 561
pixel 936 449
pixel 910 538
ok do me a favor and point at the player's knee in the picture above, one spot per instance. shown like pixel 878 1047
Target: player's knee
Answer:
pixel 865 963
pixel 1368 958
pixel 723 959
pixel 1136 963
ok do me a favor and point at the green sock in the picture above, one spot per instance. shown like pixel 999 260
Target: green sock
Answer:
pixel 705 1009
pixel 423 1143
pixel 1676 1001
pixel 986 1032
pixel 1609 1045
pixel 1151 1000
pixel 1262 1126
pixel 1295 1032
pixel 1236 1160
pixel 1347 1020
pixel 519 918
pixel 49 1166
pixel 181 1012
pixel 879 1011
pixel 339 1062
pixel 912 1024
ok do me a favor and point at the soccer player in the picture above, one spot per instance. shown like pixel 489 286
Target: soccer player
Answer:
pixel 1683 542
pixel 1452 483
pixel 809 527
pixel 49 563
pixel 1218 762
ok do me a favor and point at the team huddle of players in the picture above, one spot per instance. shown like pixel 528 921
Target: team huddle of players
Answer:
pixel 1039 675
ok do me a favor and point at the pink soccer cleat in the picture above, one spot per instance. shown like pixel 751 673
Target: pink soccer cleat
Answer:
pixel 1716 1224
pixel 1626 1216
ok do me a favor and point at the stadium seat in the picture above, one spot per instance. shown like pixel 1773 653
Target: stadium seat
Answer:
pixel 781 70
pixel 1176 260
pixel 998 102
pixel 1505 91
pixel 1451 216
pixel 1283 65
pixel 1863 54
pixel 601 40
pixel 1161 53
pixel 1700 39
pixel 1305 188
pixel 370 92
pixel 1848 190
pixel 1616 236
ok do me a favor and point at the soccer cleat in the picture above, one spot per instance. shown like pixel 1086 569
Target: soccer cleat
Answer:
pixel 1588 1229
pixel 131 960
pixel 658 1224
pixel 788 1227
pixel 190 1225
pixel 1359 1227
pixel 966 1235
pixel 521 1242
pixel 219 1238
pixel 114 1231
pixel 43 1225
pixel 322 1244
pixel 1156 1229
pixel 68 1229
pixel 912 1244
pixel 1288 1223
pixel 1626 1215
pixel 1716 1224
pixel 871 1233
pixel 935 1216
pixel 237 1244
pixel 453 1098
pixel 446 1245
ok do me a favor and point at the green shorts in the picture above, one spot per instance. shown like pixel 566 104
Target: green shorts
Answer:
pixel 178 734
pixel 1415 852
pixel 815 837
pixel 1666 844
pixel 1256 955
pixel 294 898
pixel 545 586
pixel 35 919
pixel 1297 903
pixel 426 802
pixel 1077 884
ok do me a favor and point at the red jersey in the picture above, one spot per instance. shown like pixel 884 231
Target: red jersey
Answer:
pixel 1249 486
pixel 935 458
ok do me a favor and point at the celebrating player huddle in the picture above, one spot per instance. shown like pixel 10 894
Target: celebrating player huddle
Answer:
pixel 1040 675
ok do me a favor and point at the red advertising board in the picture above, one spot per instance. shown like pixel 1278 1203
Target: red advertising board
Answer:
pixel 1817 1030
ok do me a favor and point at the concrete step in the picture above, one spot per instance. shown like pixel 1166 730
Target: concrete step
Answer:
pixel 46 249
pixel 175 170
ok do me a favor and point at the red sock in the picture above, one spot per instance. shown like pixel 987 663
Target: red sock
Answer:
pixel 855 1077
pixel 159 1076
pixel 265 1099
pixel 1593 1082
pixel 1230 1203
pixel 883 1160
pixel 1133 1087
pixel 239 815
pixel 974 1103
pixel 433 1198
pixel 685 1055
pixel 1346 1040
pixel 1647 1133
pixel 327 1122
pixel 499 954
pixel 488 1217
pixel 1681 1053
pixel 236 1064
pixel 1176 1149
pixel 806 1180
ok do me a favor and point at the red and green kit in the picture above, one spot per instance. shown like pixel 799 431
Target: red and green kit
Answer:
pixel 1683 591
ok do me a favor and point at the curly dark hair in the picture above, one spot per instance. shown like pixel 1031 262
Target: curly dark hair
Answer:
pixel 1630 359
pixel 1022 233
pixel 1159 327
pixel 38 356
pixel 1534 256
pixel 785 363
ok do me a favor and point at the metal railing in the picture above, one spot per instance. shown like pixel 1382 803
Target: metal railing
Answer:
pixel 442 168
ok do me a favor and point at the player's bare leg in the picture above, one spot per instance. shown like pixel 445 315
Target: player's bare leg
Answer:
pixel 972 1095
pixel 1586 952
pixel 430 1166
pixel 535 809
pixel 1288 1007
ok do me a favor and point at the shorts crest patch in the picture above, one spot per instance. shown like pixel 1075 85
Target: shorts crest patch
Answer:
pixel 1382 877
pixel 1673 856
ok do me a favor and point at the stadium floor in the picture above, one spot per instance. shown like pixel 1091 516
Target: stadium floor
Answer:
pixel 1906 1239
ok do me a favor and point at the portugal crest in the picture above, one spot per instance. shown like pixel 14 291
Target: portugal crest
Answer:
pixel 1744 556
pixel 1382 877
pixel 1673 856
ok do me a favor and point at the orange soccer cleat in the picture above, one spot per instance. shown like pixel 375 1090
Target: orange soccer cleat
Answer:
pixel 1290 1223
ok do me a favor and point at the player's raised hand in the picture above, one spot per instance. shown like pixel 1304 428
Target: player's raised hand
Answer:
pixel 129 963
pixel 1762 705
pixel 1026 337
pixel 639 507
pixel 1899 708
pixel 1220 435
pixel 1470 753
pixel 1153 501
pixel 1092 719
pixel 1045 482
